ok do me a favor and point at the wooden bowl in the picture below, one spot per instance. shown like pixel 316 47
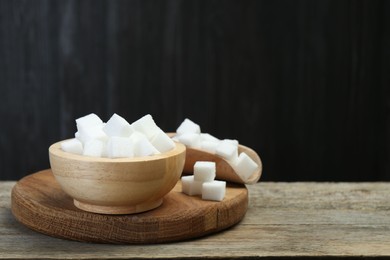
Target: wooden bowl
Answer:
pixel 120 185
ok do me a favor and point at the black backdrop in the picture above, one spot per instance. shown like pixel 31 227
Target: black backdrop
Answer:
pixel 304 83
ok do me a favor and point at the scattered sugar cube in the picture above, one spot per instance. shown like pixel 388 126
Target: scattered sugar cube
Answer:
pixel 118 126
pixel 93 148
pixel 214 190
pixel 190 186
pixel 88 121
pixel 190 139
pixel 120 147
pixel 187 126
pixel 209 146
pixel 227 150
pixel 162 142
pixel 204 171
pixel 142 146
pixel 208 137
pixel 72 146
pixel 244 166
pixel 146 125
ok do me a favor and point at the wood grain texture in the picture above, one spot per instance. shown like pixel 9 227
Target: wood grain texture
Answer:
pixel 305 84
pixel 39 203
pixel 291 220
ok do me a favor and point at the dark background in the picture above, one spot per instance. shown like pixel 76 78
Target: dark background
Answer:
pixel 304 83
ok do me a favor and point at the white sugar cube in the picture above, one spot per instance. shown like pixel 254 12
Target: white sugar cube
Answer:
pixel 146 125
pixel 190 139
pixel 142 146
pixel 162 142
pixel 209 146
pixel 175 138
pixel 191 187
pixel 214 190
pixel 227 150
pixel 120 147
pixel 204 171
pixel 187 126
pixel 245 166
pixel 88 133
pixel 88 121
pixel 231 141
pixel 209 138
pixel 93 148
pixel 118 126
pixel 72 146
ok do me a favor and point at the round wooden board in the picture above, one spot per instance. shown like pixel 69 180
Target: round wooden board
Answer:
pixel 39 203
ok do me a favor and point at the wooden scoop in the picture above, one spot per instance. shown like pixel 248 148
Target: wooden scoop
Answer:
pixel 224 171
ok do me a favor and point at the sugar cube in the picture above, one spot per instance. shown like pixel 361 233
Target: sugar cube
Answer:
pixel 162 142
pixel 190 139
pixel 208 137
pixel 146 125
pixel 72 146
pixel 187 126
pixel 88 120
pixel 190 186
pixel 244 166
pixel 204 171
pixel 231 141
pixel 142 146
pixel 93 132
pixel 118 126
pixel 175 138
pixel 93 148
pixel 209 146
pixel 214 190
pixel 227 150
pixel 120 147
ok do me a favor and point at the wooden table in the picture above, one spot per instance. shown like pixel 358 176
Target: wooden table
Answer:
pixel 283 220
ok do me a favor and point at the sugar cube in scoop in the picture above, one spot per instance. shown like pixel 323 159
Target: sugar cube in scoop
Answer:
pixel 190 139
pixel 187 126
pixel 208 137
pixel 227 150
pixel 209 146
pixel 244 166
pixel 231 141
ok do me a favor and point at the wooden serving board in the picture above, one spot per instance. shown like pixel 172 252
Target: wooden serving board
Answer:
pixel 39 203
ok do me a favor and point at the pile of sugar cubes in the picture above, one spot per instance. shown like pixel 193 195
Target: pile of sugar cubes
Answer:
pixel 203 183
pixel 189 134
pixel 117 138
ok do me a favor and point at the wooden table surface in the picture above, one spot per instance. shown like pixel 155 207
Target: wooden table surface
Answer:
pixel 283 220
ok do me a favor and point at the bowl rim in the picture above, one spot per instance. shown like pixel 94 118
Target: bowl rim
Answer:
pixel 55 149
